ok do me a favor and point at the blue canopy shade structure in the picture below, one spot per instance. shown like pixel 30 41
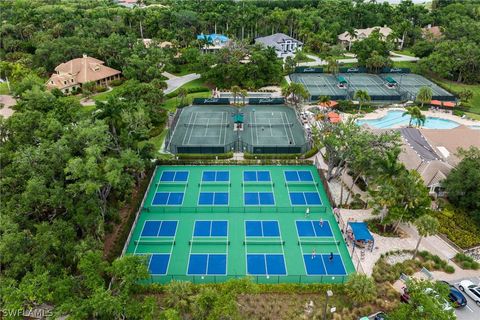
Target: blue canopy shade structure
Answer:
pixel 361 232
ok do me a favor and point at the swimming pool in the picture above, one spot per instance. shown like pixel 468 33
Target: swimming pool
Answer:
pixel 395 119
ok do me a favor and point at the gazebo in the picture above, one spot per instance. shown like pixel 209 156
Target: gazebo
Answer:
pixel 361 235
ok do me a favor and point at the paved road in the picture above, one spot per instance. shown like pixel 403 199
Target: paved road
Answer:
pixel 174 82
pixel 471 310
pixel 319 62
pixel 418 143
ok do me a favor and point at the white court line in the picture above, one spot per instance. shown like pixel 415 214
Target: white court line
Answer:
pixel 206 127
pixel 189 121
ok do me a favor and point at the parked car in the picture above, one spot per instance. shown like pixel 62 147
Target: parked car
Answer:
pixel 472 290
pixel 405 298
pixel 455 296
pixel 376 316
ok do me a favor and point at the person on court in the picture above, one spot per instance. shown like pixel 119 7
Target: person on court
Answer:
pixel 321 222
pixel 314 253
pixel 331 257
pixel 307 213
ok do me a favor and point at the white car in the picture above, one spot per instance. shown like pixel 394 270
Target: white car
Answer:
pixel 471 289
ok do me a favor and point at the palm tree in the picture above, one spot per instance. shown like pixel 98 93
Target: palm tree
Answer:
pixel 426 226
pixel 415 115
pixel 325 100
pixel 353 34
pixel 296 92
pixel 332 65
pixel 182 94
pixel 362 96
pixel 360 288
pixel 243 94
pixel 235 91
pixel 424 95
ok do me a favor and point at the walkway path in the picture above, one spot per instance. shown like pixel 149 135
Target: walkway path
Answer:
pixel 7 101
pixel 174 82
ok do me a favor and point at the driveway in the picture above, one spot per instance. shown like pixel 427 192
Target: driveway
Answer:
pixel 174 82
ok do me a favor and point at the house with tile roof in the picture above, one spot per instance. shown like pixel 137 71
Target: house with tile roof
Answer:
pixel 72 74
pixel 284 45
pixel 213 41
pixel 346 39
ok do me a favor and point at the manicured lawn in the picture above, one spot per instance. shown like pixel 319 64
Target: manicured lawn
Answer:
pixel 455 87
pixel 4 88
pixel 184 69
pixel 103 96
pixel 172 103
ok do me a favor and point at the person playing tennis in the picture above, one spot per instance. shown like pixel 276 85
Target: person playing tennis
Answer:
pixel 314 253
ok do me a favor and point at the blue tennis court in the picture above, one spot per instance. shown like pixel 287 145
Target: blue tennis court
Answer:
pixel 158 264
pixel 167 199
pixel 314 229
pixel 256 176
pixel 262 228
pixel 207 264
pixel 213 198
pixel 322 265
pixel 266 264
pixel 159 228
pixel 305 198
pixel 174 176
pixel 210 228
pixel 216 176
pixel 298 176
pixel 258 198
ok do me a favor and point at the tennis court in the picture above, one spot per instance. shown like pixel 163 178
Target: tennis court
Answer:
pixel 228 222
pixel 320 84
pixel 259 129
pixel 410 84
pixel 272 129
pixel 200 128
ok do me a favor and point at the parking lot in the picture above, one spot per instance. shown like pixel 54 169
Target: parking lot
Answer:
pixel 471 310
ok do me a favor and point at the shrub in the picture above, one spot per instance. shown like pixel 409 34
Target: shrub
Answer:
pixel 459 227
pixel 227 155
pixel 116 82
pixel 310 153
pixel 248 155
pixel 466 262
pixel 458 113
pixel 100 88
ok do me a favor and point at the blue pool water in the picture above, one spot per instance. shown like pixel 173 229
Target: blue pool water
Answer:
pixel 395 119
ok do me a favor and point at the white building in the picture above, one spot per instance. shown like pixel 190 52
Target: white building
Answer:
pixel 284 45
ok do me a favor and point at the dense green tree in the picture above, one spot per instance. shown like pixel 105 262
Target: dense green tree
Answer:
pixel 424 303
pixel 426 226
pixel 365 49
pixel 424 95
pixel 462 185
pixel 415 115
pixel 362 97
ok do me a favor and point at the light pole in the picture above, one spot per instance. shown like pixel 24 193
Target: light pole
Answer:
pixel 329 294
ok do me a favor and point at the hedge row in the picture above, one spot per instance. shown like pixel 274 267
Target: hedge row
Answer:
pixel 260 156
pixel 189 90
pixel 230 162
pixel 205 156
pixel 466 262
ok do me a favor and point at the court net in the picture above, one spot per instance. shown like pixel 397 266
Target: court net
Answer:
pixel 257 125
pixel 264 242
pixel 209 241
pixel 214 183
pixel 155 242
pixel 258 183
pixel 301 184
pixel 318 242
pixel 206 125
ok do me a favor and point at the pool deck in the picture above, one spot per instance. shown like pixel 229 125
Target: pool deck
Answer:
pixel 379 113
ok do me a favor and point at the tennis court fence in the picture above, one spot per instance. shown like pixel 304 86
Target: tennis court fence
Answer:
pixel 300 279
pixel 229 209
pixel 239 146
